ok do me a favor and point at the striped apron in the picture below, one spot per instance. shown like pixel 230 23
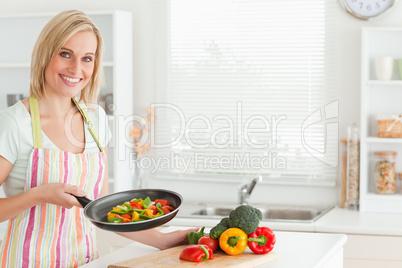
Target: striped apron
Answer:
pixel 47 235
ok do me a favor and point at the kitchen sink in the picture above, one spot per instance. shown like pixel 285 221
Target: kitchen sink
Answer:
pixel 269 213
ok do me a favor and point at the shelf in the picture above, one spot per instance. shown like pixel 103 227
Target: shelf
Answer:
pixel 27 64
pixel 383 140
pixel 378 97
pixel 384 82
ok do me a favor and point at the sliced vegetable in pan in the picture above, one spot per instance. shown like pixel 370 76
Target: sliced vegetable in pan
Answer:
pixel 139 210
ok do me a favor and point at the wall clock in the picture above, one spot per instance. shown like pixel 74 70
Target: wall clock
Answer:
pixel 366 9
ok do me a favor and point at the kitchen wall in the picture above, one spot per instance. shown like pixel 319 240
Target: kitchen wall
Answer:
pixel 348 77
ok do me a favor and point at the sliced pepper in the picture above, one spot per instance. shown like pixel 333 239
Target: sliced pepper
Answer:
pixel 165 210
pixel 169 207
pixel 159 209
pixel 145 217
pixel 116 210
pixel 128 206
pixel 111 215
pixel 141 211
pixel 149 212
pixel 115 220
pixel 262 240
pixel 135 205
pixel 123 208
pixel 197 253
pixel 147 202
pixel 136 216
pixel 163 202
pixel 153 208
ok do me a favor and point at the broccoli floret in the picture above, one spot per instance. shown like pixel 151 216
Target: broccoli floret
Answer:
pixel 246 218
pixel 222 226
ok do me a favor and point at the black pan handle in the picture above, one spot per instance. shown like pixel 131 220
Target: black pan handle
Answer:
pixel 83 200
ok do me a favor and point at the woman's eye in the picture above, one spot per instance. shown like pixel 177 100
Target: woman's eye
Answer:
pixel 87 59
pixel 65 54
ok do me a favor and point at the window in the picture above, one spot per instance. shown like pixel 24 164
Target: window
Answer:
pixel 244 88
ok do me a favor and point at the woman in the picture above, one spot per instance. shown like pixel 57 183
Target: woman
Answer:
pixel 48 152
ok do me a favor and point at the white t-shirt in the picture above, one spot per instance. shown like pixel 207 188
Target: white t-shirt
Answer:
pixel 16 142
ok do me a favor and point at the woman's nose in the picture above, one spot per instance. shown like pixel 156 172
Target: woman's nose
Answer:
pixel 75 66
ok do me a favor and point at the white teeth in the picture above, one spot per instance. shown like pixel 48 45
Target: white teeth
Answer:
pixel 71 80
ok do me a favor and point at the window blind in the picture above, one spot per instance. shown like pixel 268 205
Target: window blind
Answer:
pixel 244 88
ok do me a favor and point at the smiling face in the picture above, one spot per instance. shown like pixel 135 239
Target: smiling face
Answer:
pixel 71 68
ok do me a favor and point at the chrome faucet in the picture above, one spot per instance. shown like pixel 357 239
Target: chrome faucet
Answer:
pixel 246 189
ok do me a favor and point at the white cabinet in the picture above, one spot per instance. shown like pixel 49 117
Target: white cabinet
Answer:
pixel 378 97
pixel 372 251
pixel 18 35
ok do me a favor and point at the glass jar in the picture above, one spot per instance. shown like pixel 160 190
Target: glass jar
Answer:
pixel 343 170
pixel 353 168
pixel 384 172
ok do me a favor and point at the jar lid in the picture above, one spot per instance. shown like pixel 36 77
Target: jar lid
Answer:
pixel 385 153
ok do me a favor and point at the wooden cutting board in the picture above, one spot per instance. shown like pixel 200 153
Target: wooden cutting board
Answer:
pixel 170 258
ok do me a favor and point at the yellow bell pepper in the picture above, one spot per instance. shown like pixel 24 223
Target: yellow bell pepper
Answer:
pixel 135 216
pixel 149 212
pixel 233 241
pixel 111 215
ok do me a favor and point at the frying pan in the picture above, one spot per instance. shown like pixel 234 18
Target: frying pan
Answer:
pixel 96 211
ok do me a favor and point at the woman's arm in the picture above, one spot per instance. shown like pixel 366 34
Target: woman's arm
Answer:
pixel 157 239
pixel 54 193
pixel 151 237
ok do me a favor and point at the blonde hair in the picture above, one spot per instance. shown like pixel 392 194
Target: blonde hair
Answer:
pixel 52 38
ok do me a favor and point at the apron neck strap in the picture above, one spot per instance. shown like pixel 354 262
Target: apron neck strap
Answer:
pixel 36 128
pixel 35 118
pixel 88 121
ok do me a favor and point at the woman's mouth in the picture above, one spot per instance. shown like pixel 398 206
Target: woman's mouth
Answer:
pixel 70 80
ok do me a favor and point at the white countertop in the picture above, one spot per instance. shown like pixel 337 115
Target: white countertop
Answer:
pixel 294 250
pixel 338 220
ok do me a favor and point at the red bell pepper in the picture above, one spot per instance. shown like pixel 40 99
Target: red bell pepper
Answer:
pixel 262 240
pixel 162 201
pixel 197 253
pixel 165 210
pixel 136 205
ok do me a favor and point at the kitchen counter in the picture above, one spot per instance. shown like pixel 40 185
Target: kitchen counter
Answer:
pixel 295 249
pixel 340 220
pixel 337 220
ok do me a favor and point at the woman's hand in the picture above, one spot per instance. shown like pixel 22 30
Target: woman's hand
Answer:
pixel 59 194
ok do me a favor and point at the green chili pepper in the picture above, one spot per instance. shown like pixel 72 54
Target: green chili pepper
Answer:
pixel 147 202
pixel 193 237
pixel 159 209
pixel 115 220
